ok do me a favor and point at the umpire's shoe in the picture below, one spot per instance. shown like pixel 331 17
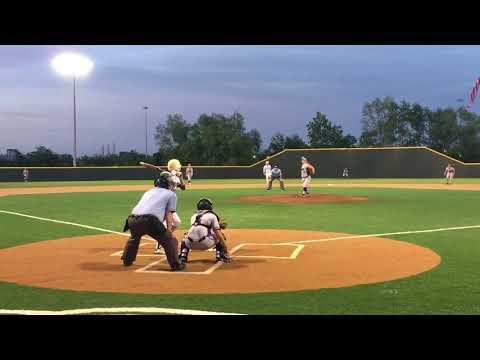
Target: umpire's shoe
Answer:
pixel 179 267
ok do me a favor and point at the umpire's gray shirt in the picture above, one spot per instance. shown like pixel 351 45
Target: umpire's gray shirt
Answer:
pixel 155 202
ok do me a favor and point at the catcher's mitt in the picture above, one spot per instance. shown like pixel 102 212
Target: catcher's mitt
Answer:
pixel 223 224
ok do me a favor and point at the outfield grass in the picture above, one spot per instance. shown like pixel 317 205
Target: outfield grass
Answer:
pixel 452 287
pixel 235 181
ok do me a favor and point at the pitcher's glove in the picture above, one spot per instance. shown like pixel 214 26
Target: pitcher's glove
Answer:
pixel 223 224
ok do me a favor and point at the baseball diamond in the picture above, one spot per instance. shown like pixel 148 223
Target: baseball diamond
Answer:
pixel 349 242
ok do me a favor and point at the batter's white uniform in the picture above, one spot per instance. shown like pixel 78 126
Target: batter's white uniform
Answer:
pixel 267 171
pixel 189 173
pixel 201 237
pixel 304 175
pixel 176 183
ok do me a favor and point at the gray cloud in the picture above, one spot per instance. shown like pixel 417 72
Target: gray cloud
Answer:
pixel 277 88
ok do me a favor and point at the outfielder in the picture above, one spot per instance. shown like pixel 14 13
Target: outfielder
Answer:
pixel 155 206
pixel 25 174
pixel 267 172
pixel 205 233
pixel 276 175
pixel 449 174
pixel 306 172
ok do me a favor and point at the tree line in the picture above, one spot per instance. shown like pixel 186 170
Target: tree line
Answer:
pixel 218 139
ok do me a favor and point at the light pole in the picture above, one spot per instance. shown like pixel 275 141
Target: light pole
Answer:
pixel 146 127
pixel 75 66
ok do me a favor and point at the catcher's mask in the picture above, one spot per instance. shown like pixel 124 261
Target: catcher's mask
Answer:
pixel 163 181
pixel 205 204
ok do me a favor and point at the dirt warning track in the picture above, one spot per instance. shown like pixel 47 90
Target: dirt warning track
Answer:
pixel 261 264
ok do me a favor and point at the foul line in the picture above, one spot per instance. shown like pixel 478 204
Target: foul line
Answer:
pixel 125 310
pixel 380 235
pixel 70 223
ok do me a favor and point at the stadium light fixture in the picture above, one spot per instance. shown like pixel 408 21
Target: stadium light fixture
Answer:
pixel 75 66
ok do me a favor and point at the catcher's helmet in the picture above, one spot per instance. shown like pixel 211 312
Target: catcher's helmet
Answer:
pixel 163 181
pixel 205 204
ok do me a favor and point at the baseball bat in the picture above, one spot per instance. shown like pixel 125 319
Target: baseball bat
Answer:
pixel 150 166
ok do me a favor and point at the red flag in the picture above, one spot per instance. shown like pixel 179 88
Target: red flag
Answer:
pixel 474 92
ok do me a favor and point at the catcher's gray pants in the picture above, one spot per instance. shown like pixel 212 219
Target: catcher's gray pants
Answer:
pixel 140 225
pixel 282 185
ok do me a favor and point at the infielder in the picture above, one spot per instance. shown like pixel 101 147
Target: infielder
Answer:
pixel 156 205
pixel 189 173
pixel 306 172
pixel 449 173
pixel 345 172
pixel 205 233
pixel 276 175
pixel 267 171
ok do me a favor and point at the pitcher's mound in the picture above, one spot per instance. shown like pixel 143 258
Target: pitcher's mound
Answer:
pixel 299 199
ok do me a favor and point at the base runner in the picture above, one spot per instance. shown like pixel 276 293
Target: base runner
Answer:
pixel 155 206
pixel 267 172
pixel 276 175
pixel 449 174
pixel 205 233
pixel 189 173
pixel 306 172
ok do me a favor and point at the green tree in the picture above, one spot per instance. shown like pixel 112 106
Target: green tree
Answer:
pixel 443 130
pixel 42 156
pixel 323 133
pixel 380 123
pixel 277 143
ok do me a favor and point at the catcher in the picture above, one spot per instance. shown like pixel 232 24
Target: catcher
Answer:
pixel 205 233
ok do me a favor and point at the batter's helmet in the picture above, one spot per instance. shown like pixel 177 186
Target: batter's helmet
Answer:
pixel 205 204
pixel 163 181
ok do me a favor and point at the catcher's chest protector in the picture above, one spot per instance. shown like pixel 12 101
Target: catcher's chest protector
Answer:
pixel 198 219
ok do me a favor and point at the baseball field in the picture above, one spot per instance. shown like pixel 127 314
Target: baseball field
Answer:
pixel 357 246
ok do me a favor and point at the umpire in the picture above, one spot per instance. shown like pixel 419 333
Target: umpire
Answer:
pixel 276 174
pixel 155 206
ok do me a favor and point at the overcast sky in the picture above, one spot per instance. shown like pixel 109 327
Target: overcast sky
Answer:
pixel 276 88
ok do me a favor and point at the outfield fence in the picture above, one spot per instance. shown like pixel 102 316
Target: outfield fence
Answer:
pixel 388 162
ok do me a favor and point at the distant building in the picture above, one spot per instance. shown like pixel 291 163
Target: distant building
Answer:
pixel 13 155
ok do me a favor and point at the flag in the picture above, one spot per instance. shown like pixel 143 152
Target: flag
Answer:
pixel 474 92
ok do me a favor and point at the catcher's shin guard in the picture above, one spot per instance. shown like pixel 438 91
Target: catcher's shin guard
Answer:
pixel 184 250
pixel 130 251
pixel 221 254
pixel 282 185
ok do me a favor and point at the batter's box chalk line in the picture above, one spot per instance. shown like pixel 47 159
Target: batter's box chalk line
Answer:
pixel 211 269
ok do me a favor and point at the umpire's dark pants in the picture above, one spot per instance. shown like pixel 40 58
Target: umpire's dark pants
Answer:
pixel 140 225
